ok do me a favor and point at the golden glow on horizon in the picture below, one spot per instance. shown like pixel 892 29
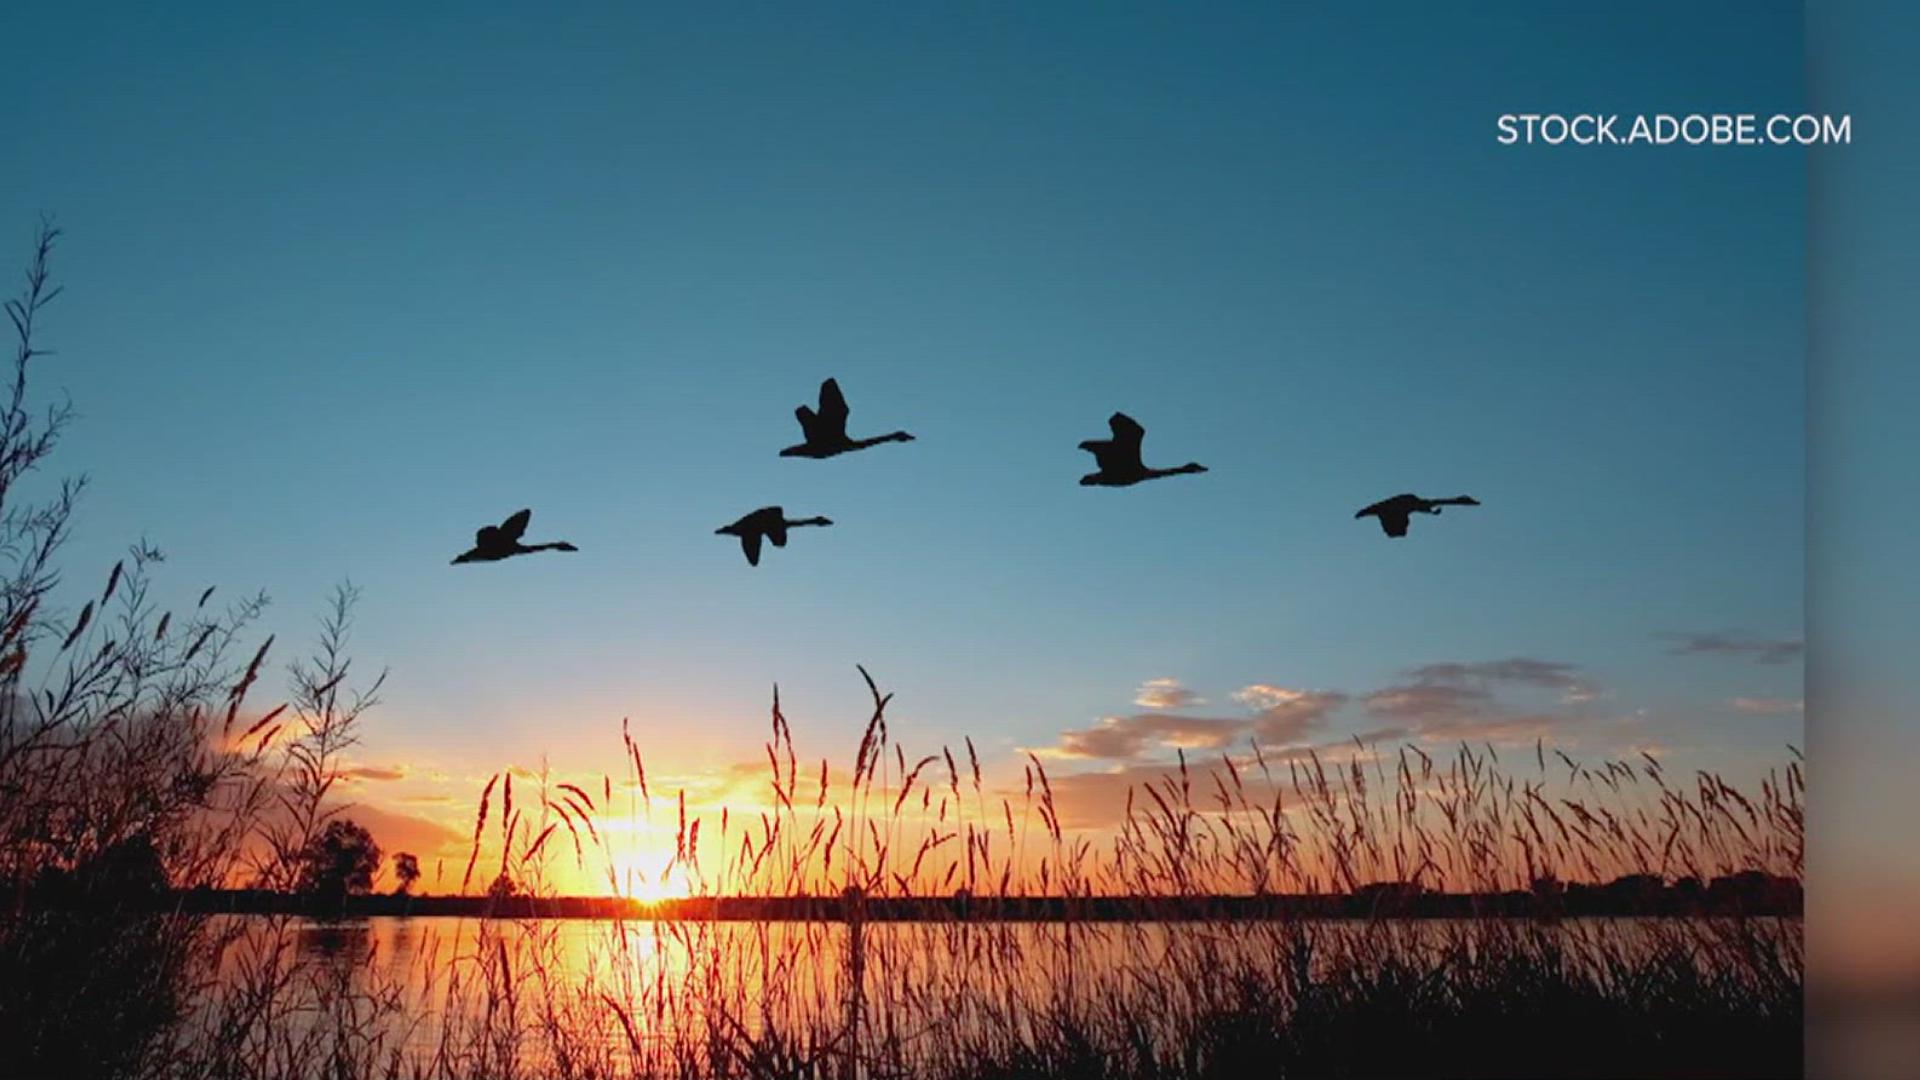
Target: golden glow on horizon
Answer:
pixel 648 880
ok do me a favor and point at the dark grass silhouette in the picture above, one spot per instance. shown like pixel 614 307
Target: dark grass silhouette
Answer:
pixel 1396 514
pixel 826 429
pixel 766 523
pixel 1119 457
pixel 495 542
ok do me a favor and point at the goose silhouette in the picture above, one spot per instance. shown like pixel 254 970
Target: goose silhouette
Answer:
pixel 826 429
pixel 768 522
pixel 495 542
pixel 1396 514
pixel 1119 457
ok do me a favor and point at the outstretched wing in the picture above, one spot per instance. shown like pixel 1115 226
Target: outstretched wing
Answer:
pixel 1394 523
pixel 778 534
pixel 515 527
pixel 487 537
pixel 1122 452
pixel 829 423
pixel 809 423
pixel 750 543
pixel 833 404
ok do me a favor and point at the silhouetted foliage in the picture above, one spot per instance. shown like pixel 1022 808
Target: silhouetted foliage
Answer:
pixel 406 871
pixel 341 859
pixel 117 776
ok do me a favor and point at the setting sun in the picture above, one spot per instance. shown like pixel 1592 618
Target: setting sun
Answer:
pixel 648 880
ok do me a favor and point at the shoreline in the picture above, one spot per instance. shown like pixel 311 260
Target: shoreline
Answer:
pixel 1764 898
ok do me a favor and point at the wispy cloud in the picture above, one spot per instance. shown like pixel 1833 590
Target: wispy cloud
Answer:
pixel 355 773
pixel 1098 798
pixel 1768 704
pixel 1516 699
pixel 1462 700
pixel 1421 704
pixel 1516 671
pixel 1165 695
pixel 1744 646
pixel 1284 716
pixel 1277 716
pixel 1124 738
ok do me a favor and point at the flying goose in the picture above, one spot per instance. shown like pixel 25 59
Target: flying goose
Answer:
pixel 495 542
pixel 1119 457
pixel 826 430
pixel 769 522
pixel 1396 513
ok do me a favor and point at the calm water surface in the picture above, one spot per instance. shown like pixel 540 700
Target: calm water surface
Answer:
pixel 414 984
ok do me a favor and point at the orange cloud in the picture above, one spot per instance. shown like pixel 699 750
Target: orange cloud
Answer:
pixel 1164 694
pixel 373 772
pixel 1284 716
pixel 395 831
pixel 1124 737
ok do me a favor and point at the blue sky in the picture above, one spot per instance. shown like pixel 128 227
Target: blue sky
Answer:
pixel 343 287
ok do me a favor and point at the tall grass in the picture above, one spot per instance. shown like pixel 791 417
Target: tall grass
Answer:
pixel 1715 994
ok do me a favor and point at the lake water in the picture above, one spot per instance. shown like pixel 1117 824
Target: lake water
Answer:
pixel 506 996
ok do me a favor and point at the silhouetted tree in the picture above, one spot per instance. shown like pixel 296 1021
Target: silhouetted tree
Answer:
pixel 503 888
pixel 116 780
pixel 339 861
pixel 406 871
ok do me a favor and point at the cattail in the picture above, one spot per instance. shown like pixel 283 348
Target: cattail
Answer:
pixel 263 722
pixel 907 784
pixel 198 642
pixel 252 673
pixel 479 824
pixel 506 812
pixel 80 627
pixel 534 848
pixel 573 830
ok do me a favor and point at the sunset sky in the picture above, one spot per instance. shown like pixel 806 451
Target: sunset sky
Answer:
pixel 343 288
